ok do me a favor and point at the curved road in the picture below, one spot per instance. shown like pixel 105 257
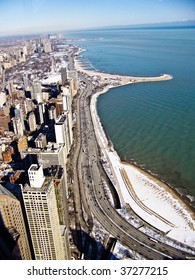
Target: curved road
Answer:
pixel 89 188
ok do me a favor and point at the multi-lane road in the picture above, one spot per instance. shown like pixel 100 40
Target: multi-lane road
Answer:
pixel 90 180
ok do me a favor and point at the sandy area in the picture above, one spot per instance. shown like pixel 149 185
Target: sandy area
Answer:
pixel 122 79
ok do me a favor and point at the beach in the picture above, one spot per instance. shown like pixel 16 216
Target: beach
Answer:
pixel 123 80
pixel 154 201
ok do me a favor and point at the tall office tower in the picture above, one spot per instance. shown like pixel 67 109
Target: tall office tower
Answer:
pixel 17 126
pixel 62 132
pixel 32 121
pixel 42 215
pixel 11 214
pixel 64 77
pixel 19 114
pixel 41 109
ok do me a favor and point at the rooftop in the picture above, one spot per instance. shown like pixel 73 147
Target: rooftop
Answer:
pixel 46 185
pixel 34 167
pixel 4 191
pixel 61 120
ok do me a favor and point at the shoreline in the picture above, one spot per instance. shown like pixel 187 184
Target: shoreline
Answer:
pixel 181 191
pixel 122 80
pixel 114 167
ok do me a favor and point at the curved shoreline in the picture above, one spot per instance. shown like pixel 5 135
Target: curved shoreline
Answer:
pixel 115 166
pixel 182 192
pixel 182 216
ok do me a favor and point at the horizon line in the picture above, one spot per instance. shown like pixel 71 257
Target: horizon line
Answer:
pixel 182 23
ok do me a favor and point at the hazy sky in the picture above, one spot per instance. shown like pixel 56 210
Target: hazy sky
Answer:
pixel 32 16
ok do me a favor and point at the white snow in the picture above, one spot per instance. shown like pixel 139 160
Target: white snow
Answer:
pixel 53 78
pixel 151 199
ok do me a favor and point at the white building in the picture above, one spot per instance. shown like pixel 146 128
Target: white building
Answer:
pixel 62 132
pixel 2 98
pixel 67 107
pixel 35 175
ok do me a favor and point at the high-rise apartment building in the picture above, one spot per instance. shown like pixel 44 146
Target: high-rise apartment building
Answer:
pixel 67 107
pixel 42 214
pixel 12 218
pixel 72 75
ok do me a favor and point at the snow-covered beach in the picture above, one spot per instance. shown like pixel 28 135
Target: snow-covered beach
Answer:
pixel 154 201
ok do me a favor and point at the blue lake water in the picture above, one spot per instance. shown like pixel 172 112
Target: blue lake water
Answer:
pixel 151 124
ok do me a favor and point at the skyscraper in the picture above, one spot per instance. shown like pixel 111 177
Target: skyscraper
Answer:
pixel 72 75
pixel 64 76
pixel 18 127
pixel 11 214
pixel 41 108
pixel 19 114
pixel 32 121
pixel 67 107
pixel 62 132
pixel 42 214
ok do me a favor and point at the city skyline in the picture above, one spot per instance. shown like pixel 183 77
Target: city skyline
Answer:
pixel 65 192
pixel 28 17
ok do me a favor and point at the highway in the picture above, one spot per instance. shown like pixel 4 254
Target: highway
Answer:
pixel 90 184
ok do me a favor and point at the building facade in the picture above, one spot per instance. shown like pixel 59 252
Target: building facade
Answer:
pixel 42 214
pixel 12 217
